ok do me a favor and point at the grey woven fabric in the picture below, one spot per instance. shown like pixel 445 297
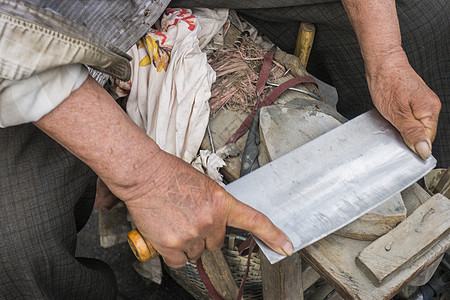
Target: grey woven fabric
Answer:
pixel 46 194
pixel 336 56
pixel 119 22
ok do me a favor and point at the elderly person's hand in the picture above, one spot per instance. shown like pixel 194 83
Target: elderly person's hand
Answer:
pixel 397 91
pixel 402 97
pixel 175 207
pixel 180 212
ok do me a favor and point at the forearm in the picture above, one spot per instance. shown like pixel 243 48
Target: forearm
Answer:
pixel 178 209
pixel 397 91
pixel 92 126
pixel 378 31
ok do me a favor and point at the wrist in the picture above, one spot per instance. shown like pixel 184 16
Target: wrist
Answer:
pixel 142 171
pixel 384 63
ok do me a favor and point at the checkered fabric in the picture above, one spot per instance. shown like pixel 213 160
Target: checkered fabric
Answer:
pixel 336 56
pixel 46 195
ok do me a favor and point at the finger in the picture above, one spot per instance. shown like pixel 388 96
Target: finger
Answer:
pixel 215 242
pixel 415 137
pixel 419 128
pixel 244 217
pixel 427 112
pixel 194 249
pixel 174 259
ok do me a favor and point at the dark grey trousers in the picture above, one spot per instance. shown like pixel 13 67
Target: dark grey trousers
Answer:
pixel 46 196
pixel 336 56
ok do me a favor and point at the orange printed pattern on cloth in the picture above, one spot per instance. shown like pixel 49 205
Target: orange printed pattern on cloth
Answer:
pixel 154 42
pixel 157 54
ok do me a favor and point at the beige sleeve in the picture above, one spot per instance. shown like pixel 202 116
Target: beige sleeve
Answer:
pixel 28 100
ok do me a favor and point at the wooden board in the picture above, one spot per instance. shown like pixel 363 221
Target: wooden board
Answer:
pixel 334 259
pixel 220 275
pixel 428 225
pixel 413 197
pixel 282 280
pixel 309 276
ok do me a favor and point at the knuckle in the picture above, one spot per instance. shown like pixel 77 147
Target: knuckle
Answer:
pixel 196 255
pixel 216 244
pixel 192 233
pixel 256 220
pixel 174 264
pixel 171 242
pixel 218 193
pixel 208 220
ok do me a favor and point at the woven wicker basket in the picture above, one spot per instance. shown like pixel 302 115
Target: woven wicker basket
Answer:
pixel 189 279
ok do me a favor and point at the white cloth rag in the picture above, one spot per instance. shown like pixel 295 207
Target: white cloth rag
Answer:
pixel 171 85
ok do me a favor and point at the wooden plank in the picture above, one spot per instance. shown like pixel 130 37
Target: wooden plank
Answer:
pixel 429 224
pixel 220 275
pixel 443 186
pixel 283 279
pixel 334 259
pixel 413 197
pixel 309 276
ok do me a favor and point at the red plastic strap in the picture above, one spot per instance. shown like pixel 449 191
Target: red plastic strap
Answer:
pixel 243 128
pixel 263 75
pixel 267 101
pixel 209 287
pixel 284 86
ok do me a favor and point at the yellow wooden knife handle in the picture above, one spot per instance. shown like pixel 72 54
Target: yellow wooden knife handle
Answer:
pixel 142 249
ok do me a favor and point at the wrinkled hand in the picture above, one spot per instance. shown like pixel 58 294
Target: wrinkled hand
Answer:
pixel 176 208
pixel 404 99
pixel 181 212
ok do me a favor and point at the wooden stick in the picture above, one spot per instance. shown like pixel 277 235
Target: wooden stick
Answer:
pixel 304 42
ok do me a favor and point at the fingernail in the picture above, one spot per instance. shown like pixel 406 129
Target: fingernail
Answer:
pixel 287 248
pixel 423 149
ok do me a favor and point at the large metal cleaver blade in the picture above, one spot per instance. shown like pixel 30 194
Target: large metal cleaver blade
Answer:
pixel 329 182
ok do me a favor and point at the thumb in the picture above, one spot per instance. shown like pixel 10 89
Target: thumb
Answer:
pixel 415 137
pixel 243 216
pixel 419 128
